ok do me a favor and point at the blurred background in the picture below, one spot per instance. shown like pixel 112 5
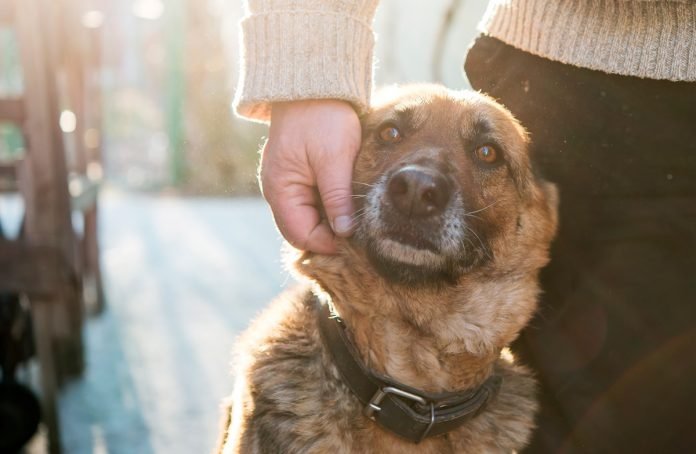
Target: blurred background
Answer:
pixel 169 249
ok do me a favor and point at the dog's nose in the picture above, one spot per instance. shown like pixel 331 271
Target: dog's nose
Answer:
pixel 417 191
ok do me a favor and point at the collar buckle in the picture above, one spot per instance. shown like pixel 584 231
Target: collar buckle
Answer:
pixel 373 405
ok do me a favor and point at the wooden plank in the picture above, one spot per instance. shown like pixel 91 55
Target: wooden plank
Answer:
pixel 32 270
pixel 12 110
pixel 83 190
pixel 90 250
pixel 47 201
pixel 8 171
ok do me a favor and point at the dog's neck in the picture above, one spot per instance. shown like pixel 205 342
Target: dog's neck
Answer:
pixel 427 338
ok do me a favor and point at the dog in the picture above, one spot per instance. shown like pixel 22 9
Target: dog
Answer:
pixel 399 345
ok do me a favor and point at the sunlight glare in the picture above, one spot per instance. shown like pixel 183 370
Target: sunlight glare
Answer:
pixel 148 9
pixel 68 121
pixel 93 19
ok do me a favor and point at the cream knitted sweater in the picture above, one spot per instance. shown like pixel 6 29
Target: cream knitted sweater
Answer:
pixel 317 49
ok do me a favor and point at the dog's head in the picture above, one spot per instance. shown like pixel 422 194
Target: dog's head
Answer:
pixel 453 225
pixel 444 185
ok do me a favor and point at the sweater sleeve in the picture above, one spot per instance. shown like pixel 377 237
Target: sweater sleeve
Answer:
pixel 304 49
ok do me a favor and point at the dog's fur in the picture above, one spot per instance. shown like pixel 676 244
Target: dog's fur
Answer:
pixel 431 302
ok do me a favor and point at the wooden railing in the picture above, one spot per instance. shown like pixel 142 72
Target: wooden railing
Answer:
pixel 49 261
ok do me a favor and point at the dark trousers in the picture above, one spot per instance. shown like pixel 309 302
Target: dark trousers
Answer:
pixel 614 341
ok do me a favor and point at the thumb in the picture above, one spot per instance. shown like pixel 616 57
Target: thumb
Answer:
pixel 335 189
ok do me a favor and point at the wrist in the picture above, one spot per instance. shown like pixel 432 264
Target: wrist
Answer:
pixel 301 105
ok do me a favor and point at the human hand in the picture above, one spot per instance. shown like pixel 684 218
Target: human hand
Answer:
pixel 308 162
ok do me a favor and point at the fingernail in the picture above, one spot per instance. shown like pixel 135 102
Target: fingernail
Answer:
pixel 342 224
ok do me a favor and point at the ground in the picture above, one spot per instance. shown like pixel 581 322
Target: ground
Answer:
pixel 183 277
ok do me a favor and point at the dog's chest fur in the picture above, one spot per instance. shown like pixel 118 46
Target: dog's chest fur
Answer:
pixel 296 402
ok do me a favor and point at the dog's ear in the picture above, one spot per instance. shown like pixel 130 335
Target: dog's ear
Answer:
pixel 547 193
pixel 543 205
pixel 552 198
pixel 518 160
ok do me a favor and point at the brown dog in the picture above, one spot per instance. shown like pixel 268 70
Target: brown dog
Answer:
pixel 439 278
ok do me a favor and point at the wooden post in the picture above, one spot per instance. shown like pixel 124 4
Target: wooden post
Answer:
pixel 42 319
pixel 47 200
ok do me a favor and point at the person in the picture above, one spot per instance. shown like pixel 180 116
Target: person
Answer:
pixel 607 89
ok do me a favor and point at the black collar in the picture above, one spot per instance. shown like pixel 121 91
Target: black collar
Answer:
pixel 405 411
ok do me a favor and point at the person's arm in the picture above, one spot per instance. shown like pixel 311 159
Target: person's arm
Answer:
pixel 307 67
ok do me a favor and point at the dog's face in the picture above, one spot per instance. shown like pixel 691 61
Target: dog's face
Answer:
pixel 443 184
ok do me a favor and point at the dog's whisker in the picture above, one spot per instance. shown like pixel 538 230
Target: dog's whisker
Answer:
pixel 473 216
pixel 364 184
pixel 480 209
pixel 357 217
pixel 468 240
pixel 483 246
pixel 361 210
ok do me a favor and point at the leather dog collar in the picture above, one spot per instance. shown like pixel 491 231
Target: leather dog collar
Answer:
pixel 408 412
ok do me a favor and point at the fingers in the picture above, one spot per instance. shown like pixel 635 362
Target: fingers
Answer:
pixel 299 222
pixel 334 178
pixel 293 200
pixel 312 145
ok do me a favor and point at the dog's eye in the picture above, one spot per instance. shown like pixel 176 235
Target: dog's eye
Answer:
pixel 389 134
pixel 486 154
